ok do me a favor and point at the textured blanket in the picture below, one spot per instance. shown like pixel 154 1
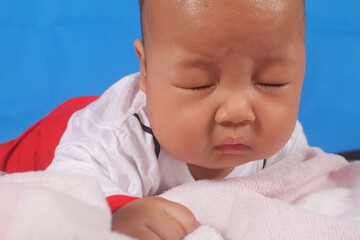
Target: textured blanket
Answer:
pixel 310 195
pixel 47 206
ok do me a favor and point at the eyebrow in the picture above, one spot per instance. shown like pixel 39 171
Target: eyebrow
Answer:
pixel 199 62
pixel 196 62
pixel 276 59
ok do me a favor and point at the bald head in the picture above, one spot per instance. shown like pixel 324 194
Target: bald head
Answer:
pixel 141 3
pixel 152 10
pixel 147 13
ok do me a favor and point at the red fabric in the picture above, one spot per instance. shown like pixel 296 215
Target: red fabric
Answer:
pixel 117 201
pixel 34 149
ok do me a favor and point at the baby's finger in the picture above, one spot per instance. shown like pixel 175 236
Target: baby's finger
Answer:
pixel 140 233
pixel 171 229
pixel 183 215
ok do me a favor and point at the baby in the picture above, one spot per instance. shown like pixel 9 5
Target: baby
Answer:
pixel 217 96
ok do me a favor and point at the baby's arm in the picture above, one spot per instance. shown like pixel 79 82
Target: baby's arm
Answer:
pixel 154 218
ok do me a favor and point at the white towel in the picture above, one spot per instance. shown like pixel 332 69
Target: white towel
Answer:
pixel 310 195
pixel 48 206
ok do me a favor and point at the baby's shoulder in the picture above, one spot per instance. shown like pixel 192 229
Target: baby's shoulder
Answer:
pixel 117 104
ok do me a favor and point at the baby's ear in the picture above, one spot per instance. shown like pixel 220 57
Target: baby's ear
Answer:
pixel 140 52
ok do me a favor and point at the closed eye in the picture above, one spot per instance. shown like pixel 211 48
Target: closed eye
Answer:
pixel 202 88
pixel 273 85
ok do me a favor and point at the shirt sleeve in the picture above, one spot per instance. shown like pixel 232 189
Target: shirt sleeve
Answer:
pixel 111 155
pixel 118 201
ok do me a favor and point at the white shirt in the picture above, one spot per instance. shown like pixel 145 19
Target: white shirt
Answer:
pixel 107 141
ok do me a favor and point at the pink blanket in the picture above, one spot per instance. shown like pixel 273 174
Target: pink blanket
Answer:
pixel 310 195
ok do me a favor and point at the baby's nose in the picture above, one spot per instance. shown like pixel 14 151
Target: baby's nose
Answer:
pixel 235 110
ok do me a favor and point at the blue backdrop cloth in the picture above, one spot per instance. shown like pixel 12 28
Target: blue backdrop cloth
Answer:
pixel 54 50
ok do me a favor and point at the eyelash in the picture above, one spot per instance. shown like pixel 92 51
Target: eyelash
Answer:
pixel 264 85
pixel 273 86
pixel 201 88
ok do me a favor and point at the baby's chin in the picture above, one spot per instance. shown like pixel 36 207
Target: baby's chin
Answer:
pixel 201 172
pixel 221 163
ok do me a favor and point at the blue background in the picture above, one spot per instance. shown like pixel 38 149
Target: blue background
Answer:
pixel 52 50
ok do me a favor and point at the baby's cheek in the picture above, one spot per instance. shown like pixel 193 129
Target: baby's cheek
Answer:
pixel 184 145
pixel 278 136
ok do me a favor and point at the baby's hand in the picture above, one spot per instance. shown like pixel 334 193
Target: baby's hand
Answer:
pixel 154 218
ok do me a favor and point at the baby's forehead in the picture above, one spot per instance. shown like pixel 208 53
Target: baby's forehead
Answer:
pixel 159 12
pixel 152 9
pixel 195 4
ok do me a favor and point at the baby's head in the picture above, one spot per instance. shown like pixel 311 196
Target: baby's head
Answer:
pixel 222 78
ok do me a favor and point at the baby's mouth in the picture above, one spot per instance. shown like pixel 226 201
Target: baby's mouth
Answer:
pixel 233 146
pixel 233 149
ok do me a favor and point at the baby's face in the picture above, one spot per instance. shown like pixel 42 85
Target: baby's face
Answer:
pixel 223 79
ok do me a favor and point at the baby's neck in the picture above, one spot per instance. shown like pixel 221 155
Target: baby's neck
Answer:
pixel 201 173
